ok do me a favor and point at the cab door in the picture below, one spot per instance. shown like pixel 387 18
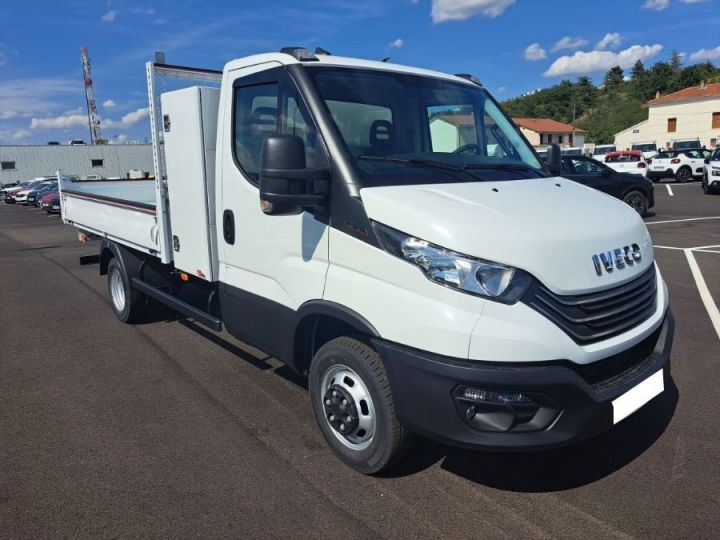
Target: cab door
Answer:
pixel 269 264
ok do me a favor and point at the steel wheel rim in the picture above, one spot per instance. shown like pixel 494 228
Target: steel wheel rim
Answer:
pixel 341 375
pixel 635 202
pixel 117 290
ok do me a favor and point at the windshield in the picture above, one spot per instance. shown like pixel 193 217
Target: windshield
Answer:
pixel 686 144
pixel 410 129
pixel 601 150
pixel 644 147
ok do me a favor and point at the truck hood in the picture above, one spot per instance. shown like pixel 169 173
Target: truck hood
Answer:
pixel 549 227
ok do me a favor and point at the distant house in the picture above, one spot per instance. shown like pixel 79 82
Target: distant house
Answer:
pixel 451 131
pixel 544 131
pixel 690 113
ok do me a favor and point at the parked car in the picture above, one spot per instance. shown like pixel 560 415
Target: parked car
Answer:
pixel 682 165
pixel 51 203
pixel 572 151
pixel 711 175
pixel 686 144
pixel 633 189
pixel 33 197
pixel 8 192
pixel 648 149
pixel 628 161
pixel 601 150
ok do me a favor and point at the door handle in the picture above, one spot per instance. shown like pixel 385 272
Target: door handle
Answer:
pixel 229 227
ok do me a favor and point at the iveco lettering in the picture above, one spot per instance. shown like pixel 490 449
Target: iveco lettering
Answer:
pixel 389 234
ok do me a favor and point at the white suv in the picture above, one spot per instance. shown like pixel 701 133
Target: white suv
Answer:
pixel 683 165
pixel 711 176
pixel 629 161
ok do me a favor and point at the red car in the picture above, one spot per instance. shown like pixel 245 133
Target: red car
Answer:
pixel 51 203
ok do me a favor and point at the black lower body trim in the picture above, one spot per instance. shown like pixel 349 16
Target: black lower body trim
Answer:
pixel 563 407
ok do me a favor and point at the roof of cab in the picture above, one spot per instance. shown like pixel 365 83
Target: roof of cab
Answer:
pixel 340 61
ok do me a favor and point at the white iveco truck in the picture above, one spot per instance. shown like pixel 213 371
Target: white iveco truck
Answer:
pixel 389 233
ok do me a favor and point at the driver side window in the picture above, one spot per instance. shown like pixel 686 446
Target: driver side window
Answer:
pixel 583 166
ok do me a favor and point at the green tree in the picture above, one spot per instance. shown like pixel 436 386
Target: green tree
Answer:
pixel 614 77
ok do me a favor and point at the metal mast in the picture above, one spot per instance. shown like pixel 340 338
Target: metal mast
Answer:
pixel 93 120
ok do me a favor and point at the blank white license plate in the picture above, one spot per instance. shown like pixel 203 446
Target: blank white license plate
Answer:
pixel 638 396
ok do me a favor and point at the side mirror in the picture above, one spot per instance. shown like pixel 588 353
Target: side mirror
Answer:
pixel 553 159
pixel 286 184
pixel 707 161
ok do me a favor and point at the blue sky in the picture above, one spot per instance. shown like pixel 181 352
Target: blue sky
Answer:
pixel 513 46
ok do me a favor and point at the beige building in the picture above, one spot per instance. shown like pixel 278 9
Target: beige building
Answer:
pixel 544 131
pixel 691 113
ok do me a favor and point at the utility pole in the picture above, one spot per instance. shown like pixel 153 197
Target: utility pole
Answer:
pixel 573 126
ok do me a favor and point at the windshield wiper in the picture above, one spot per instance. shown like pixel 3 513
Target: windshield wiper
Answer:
pixel 429 163
pixel 499 166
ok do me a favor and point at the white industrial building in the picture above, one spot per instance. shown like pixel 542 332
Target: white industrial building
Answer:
pixel 691 113
pixel 21 163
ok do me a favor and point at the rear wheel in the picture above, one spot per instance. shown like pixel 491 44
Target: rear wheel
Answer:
pixel 683 175
pixel 637 201
pixel 353 405
pixel 128 304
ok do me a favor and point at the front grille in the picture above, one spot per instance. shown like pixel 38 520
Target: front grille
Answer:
pixel 589 318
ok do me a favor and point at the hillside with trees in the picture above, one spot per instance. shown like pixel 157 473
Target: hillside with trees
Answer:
pixel 618 103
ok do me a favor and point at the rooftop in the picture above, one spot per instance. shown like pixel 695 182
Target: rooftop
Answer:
pixel 546 125
pixel 688 94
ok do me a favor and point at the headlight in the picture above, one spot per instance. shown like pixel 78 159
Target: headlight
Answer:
pixel 490 280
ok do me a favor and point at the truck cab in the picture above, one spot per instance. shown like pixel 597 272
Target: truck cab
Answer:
pixel 389 233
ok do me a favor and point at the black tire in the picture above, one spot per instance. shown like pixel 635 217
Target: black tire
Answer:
pixel 705 185
pixel 132 305
pixel 683 175
pixel 637 200
pixel 389 442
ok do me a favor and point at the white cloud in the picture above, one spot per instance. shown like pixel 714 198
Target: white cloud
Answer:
pixel 656 5
pixel 534 52
pixel 108 104
pixel 130 119
pixel 705 54
pixel 396 44
pixel 21 134
pixel 47 97
pixel 460 10
pixel 610 41
pixel 134 117
pixel 582 63
pixel 59 122
pixel 110 16
pixel 571 43
pixel 121 138
pixel 501 89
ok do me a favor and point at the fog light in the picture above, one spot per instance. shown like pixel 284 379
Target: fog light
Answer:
pixel 489 396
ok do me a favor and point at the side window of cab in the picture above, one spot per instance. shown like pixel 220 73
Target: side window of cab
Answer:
pixel 271 108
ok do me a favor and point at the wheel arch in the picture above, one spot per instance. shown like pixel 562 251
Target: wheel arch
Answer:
pixel 319 321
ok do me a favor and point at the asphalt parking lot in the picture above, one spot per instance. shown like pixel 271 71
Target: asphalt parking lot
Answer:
pixel 167 429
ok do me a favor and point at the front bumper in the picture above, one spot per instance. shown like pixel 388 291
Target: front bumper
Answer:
pixel 668 173
pixel 575 402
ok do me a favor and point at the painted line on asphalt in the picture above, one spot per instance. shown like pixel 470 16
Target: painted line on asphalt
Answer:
pixel 669 247
pixel 705 251
pixel 670 191
pixel 705 295
pixel 705 247
pixel 680 220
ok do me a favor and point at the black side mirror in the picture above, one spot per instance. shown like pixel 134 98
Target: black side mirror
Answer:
pixel 286 184
pixel 707 161
pixel 553 159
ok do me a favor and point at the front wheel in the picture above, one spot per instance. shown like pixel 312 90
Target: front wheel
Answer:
pixel 128 304
pixel 637 201
pixel 353 405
